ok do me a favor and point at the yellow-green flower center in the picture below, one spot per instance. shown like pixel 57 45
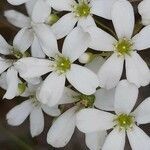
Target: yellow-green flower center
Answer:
pixel 16 53
pixel 86 101
pixel 82 9
pixel 124 46
pixel 124 121
pixel 62 64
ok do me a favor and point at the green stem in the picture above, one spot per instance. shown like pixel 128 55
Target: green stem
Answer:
pixel 14 138
pixel 105 27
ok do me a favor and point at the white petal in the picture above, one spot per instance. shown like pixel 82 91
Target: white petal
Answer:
pixel 125 97
pixel 41 11
pixel 36 121
pixel 47 39
pixel 29 6
pixel 4 64
pixel 102 8
pixel 111 71
pixel 64 25
pixel 105 99
pixel 142 39
pixel 92 120
pixel 142 112
pixel 61 5
pixel 3 83
pixel 76 43
pixel 100 40
pixel 138 139
pixel 137 70
pixel 95 141
pixel 4 46
pixel 144 11
pixel 62 129
pixel 68 96
pixel 95 64
pixel 86 22
pixel 36 49
pixel 115 140
pixel 19 113
pixel 83 79
pixel 17 19
pixel 52 89
pixel 123 18
pixel 34 81
pixel 12 82
pixel 17 2
pixel 23 39
pixel 52 111
pixel 33 67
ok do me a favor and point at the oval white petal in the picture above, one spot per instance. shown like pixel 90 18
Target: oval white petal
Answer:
pixel 111 71
pixel 100 40
pixel 47 39
pixel 105 99
pixel 62 129
pixel 23 40
pixel 52 89
pixel 19 113
pixel 142 39
pixel 33 67
pixel 17 19
pixel 83 79
pixel 76 43
pixel 123 18
pixel 4 46
pixel 52 111
pixel 137 70
pixel 138 139
pixel 36 49
pixel 142 112
pixel 41 11
pixel 115 140
pixel 102 8
pixel 125 97
pixel 64 25
pixel 12 82
pixel 92 120
pixel 95 141
pixel 36 121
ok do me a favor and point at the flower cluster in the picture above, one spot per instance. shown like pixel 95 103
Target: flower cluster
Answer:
pixel 85 71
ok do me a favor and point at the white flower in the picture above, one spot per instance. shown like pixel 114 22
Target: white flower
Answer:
pixel 63 127
pixel 144 11
pixel 20 45
pixel 125 48
pixel 79 12
pixel 32 107
pixel 125 121
pixel 38 15
pixel 61 65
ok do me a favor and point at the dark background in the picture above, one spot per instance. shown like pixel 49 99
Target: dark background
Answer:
pixel 18 138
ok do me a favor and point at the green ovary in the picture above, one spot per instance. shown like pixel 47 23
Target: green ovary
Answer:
pixel 124 121
pixel 124 46
pixel 86 101
pixel 82 9
pixel 62 64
